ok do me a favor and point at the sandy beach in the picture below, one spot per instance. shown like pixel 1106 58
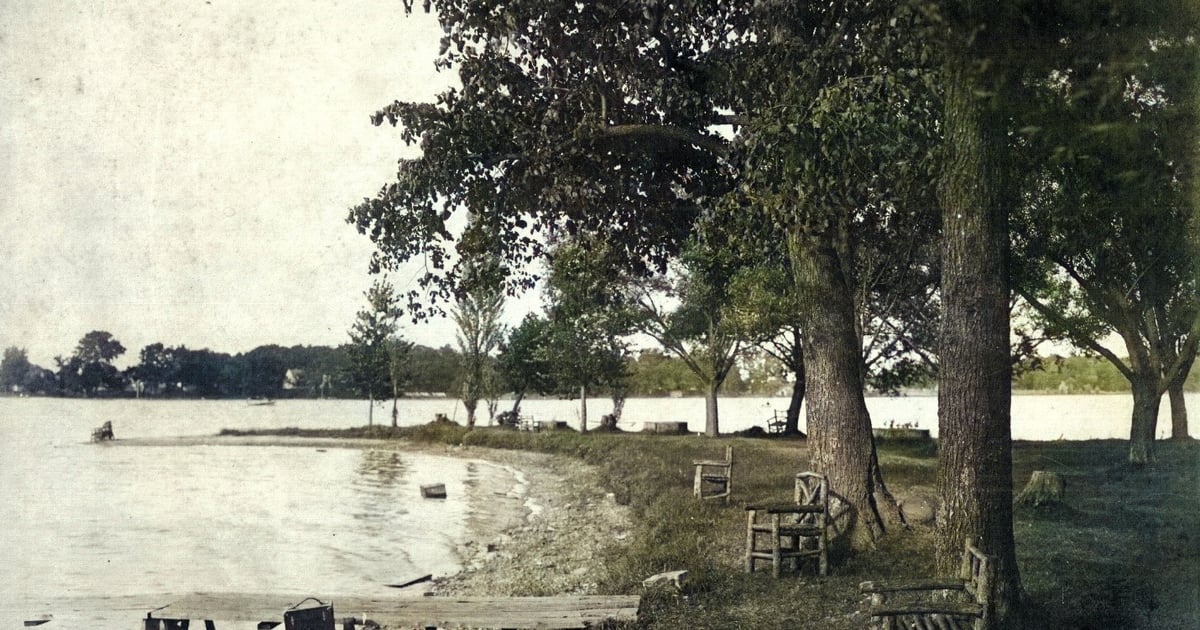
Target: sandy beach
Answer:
pixel 538 524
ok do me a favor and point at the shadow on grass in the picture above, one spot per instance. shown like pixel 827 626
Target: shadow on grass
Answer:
pixel 1120 552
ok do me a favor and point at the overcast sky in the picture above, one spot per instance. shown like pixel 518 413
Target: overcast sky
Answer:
pixel 181 172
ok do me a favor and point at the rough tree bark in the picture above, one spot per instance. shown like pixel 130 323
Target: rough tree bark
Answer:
pixel 1146 400
pixel 840 442
pixel 1179 415
pixel 583 409
pixel 974 478
pixel 711 418
pixel 791 424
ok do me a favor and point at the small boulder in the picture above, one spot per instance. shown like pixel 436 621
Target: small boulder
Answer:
pixel 675 579
pixel 918 504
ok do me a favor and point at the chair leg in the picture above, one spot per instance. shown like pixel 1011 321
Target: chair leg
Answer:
pixel 750 541
pixel 823 557
pixel 776 552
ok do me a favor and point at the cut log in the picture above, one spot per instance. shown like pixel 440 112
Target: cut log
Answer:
pixel 1044 488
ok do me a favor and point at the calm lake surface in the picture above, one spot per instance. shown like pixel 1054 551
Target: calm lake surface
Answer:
pixel 86 520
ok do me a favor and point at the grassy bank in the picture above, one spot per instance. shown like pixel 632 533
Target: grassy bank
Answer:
pixel 1122 552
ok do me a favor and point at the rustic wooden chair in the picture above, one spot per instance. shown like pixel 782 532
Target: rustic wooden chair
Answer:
pixel 714 477
pixel 954 603
pixel 795 531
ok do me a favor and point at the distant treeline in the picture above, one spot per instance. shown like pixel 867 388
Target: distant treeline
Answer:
pixel 273 371
pixel 1079 375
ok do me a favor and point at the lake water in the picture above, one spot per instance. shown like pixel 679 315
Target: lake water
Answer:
pixel 85 520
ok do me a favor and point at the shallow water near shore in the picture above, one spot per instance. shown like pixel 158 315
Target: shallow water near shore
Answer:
pixel 84 520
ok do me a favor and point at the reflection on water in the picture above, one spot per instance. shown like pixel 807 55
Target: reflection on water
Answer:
pixel 380 468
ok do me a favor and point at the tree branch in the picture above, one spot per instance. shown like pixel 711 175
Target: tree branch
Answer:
pixel 1089 343
pixel 667 132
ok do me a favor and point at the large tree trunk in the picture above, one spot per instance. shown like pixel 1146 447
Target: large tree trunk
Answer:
pixel 1179 419
pixel 583 408
pixel 974 477
pixel 840 442
pixel 1146 401
pixel 518 397
pixel 712 424
pixel 791 424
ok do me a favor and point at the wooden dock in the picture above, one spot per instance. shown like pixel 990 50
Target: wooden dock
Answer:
pixel 576 611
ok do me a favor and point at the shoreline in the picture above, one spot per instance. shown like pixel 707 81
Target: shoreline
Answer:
pixel 537 524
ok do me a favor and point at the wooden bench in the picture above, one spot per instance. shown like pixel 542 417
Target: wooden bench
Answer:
pixel 953 603
pixel 578 611
pixel 714 477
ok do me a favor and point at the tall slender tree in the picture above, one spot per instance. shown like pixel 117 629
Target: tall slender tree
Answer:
pixel 480 333
pixel 371 349
pixel 588 323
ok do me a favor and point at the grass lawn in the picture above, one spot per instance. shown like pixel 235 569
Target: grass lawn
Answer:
pixel 1123 551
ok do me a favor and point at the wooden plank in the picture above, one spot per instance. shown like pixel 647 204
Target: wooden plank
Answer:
pixel 485 612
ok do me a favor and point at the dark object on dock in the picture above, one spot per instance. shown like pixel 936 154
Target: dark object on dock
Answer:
pixel 664 427
pixel 409 582
pixel 434 491
pixel 574 611
pixel 319 617
pixel 105 432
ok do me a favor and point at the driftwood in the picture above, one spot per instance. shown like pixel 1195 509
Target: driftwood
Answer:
pixel 1044 488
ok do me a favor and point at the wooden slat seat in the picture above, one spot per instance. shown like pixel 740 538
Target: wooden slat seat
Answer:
pixel 942 603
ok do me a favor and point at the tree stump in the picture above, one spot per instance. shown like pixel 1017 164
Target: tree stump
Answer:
pixel 1044 488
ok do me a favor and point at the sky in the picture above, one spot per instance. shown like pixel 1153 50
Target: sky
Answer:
pixel 181 172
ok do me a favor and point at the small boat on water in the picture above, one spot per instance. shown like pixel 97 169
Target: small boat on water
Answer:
pixel 434 491
pixel 260 402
